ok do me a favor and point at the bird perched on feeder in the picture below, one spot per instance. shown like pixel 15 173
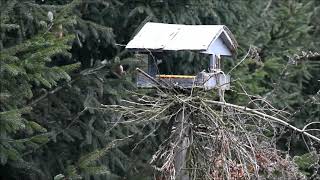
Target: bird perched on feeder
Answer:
pixel 202 76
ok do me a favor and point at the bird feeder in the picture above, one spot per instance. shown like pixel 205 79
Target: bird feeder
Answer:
pixel 215 40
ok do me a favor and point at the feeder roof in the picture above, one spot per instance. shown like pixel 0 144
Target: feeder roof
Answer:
pixel 160 36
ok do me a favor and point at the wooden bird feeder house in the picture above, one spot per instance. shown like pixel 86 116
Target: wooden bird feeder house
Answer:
pixel 215 40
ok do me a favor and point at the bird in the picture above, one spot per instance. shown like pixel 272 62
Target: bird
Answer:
pixel 119 70
pixel 50 16
pixel 202 76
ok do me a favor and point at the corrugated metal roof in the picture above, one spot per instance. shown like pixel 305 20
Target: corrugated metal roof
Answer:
pixel 159 36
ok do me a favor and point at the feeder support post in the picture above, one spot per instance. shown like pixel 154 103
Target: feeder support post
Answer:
pixel 212 62
pixel 180 160
pixel 152 66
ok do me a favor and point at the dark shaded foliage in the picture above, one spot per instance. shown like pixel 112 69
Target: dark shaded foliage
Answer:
pixel 50 81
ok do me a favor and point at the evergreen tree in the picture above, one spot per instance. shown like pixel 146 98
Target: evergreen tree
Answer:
pixel 54 73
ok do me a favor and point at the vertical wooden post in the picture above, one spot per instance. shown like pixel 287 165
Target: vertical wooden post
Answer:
pixel 212 64
pixel 215 63
pixel 180 161
pixel 152 66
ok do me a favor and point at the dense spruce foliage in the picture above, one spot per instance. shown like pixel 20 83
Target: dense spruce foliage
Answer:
pixel 57 66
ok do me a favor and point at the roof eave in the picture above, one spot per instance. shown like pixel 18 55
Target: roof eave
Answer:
pixel 233 44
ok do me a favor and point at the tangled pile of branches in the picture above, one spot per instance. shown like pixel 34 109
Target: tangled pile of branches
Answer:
pixel 210 139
